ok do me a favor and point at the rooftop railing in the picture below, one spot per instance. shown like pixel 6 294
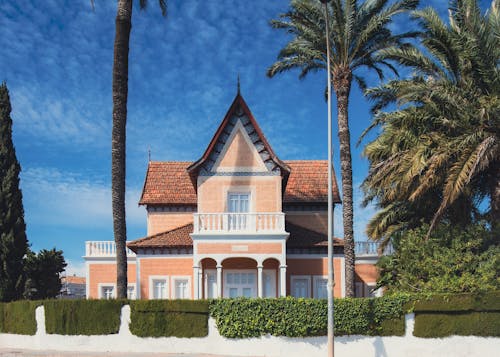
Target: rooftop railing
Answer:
pixel 371 249
pixel 103 249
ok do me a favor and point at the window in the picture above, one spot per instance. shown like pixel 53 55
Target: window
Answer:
pixel 238 204
pixel 131 292
pixel 158 287
pixel 240 283
pixel 367 290
pixel 320 287
pixel 210 284
pixel 106 291
pixel 269 283
pixel 301 286
pixel 182 287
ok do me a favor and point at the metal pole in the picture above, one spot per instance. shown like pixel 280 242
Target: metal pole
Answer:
pixel 331 283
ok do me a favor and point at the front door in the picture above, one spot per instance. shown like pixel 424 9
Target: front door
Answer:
pixel 240 283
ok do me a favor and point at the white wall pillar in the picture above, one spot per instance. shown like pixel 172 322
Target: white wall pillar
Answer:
pixel 283 280
pixel 219 281
pixel 260 281
pixel 200 283
pixel 196 284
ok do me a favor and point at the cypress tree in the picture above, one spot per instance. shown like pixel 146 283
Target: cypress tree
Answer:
pixel 13 241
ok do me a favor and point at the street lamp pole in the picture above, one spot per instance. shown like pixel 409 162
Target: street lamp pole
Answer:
pixel 331 283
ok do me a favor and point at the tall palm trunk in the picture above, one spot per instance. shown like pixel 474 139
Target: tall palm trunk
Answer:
pixel 118 154
pixel 342 80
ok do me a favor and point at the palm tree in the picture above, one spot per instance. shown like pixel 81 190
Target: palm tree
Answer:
pixel 118 136
pixel 358 32
pixel 438 156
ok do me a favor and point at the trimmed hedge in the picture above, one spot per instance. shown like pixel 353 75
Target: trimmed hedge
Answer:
pixel 18 317
pixel 459 314
pixel 240 318
pixel 161 318
pixel 83 317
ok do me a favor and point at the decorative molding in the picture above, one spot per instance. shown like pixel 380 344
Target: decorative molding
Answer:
pixel 177 208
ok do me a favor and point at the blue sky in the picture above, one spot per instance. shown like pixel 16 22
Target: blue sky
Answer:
pixel 56 56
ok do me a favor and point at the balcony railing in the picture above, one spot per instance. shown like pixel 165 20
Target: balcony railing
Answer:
pixel 371 249
pixel 103 249
pixel 239 222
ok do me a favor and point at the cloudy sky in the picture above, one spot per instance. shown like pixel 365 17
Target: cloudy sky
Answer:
pixel 56 57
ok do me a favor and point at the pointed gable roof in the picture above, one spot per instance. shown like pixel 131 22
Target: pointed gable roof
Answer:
pixel 238 109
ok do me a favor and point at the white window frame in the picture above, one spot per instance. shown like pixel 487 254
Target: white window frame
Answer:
pixel 316 278
pixel 227 286
pixel 132 285
pixel 272 274
pixel 152 279
pixel 174 287
pixel 101 286
pixel 293 278
pixel 210 277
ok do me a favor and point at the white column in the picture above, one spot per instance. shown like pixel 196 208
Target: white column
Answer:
pixel 196 284
pixel 260 281
pixel 219 281
pixel 283 280
pixel 200 283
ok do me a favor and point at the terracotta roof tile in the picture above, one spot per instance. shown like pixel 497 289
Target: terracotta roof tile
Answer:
pixel 168 183
pixel 177 237
pixel 300 237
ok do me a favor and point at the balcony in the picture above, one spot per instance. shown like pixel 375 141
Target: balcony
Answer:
pixel 370 249
pixel 103 249
pixel 237 223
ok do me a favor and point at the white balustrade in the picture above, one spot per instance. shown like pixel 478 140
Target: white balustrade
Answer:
pixel 371 249
pixel 239 222
pixel 103 249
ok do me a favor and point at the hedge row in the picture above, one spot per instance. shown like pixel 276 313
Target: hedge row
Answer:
pixel 179 318
pixel 83 317
pixel 460 314
pixel 435 316
pixel 240 318
pixel 18 317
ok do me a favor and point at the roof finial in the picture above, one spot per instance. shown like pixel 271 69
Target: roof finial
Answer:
pixel 149 153
pixel 238 83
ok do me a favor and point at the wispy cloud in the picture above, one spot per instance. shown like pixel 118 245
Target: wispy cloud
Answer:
pixel 56 198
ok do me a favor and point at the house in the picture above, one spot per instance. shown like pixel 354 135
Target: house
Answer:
pixel 72 287
pixel 239 221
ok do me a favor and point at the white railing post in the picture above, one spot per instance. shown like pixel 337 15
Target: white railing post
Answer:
pixel 226 222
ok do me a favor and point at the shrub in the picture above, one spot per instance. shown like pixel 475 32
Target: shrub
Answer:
pixel 83 317
pixel 18 317
pixel 179 318
pixel 460 314
pixel 292 317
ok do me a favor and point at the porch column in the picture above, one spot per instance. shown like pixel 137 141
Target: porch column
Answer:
pixel 283 280
pixel 196 285
pixel 260 282
pixel 219 281
pixel 200 283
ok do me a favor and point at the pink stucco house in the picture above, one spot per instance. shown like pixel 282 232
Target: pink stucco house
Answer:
pixel 239 221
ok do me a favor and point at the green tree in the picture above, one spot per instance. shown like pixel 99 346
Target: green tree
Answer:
pixel 451 260
pixel 438 154
pixel 13 241
pixel 118 135
pixel 358 32
pixel 42 272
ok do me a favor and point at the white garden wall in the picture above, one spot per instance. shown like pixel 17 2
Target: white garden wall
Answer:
pixel 351 346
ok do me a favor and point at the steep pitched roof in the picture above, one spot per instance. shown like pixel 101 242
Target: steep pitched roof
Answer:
pixel 300 237
pixel 169 183
pixel 175 238
pixel 238 108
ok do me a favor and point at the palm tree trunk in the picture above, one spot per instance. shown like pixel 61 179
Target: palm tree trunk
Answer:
pixel 118 154
pixel 342 80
